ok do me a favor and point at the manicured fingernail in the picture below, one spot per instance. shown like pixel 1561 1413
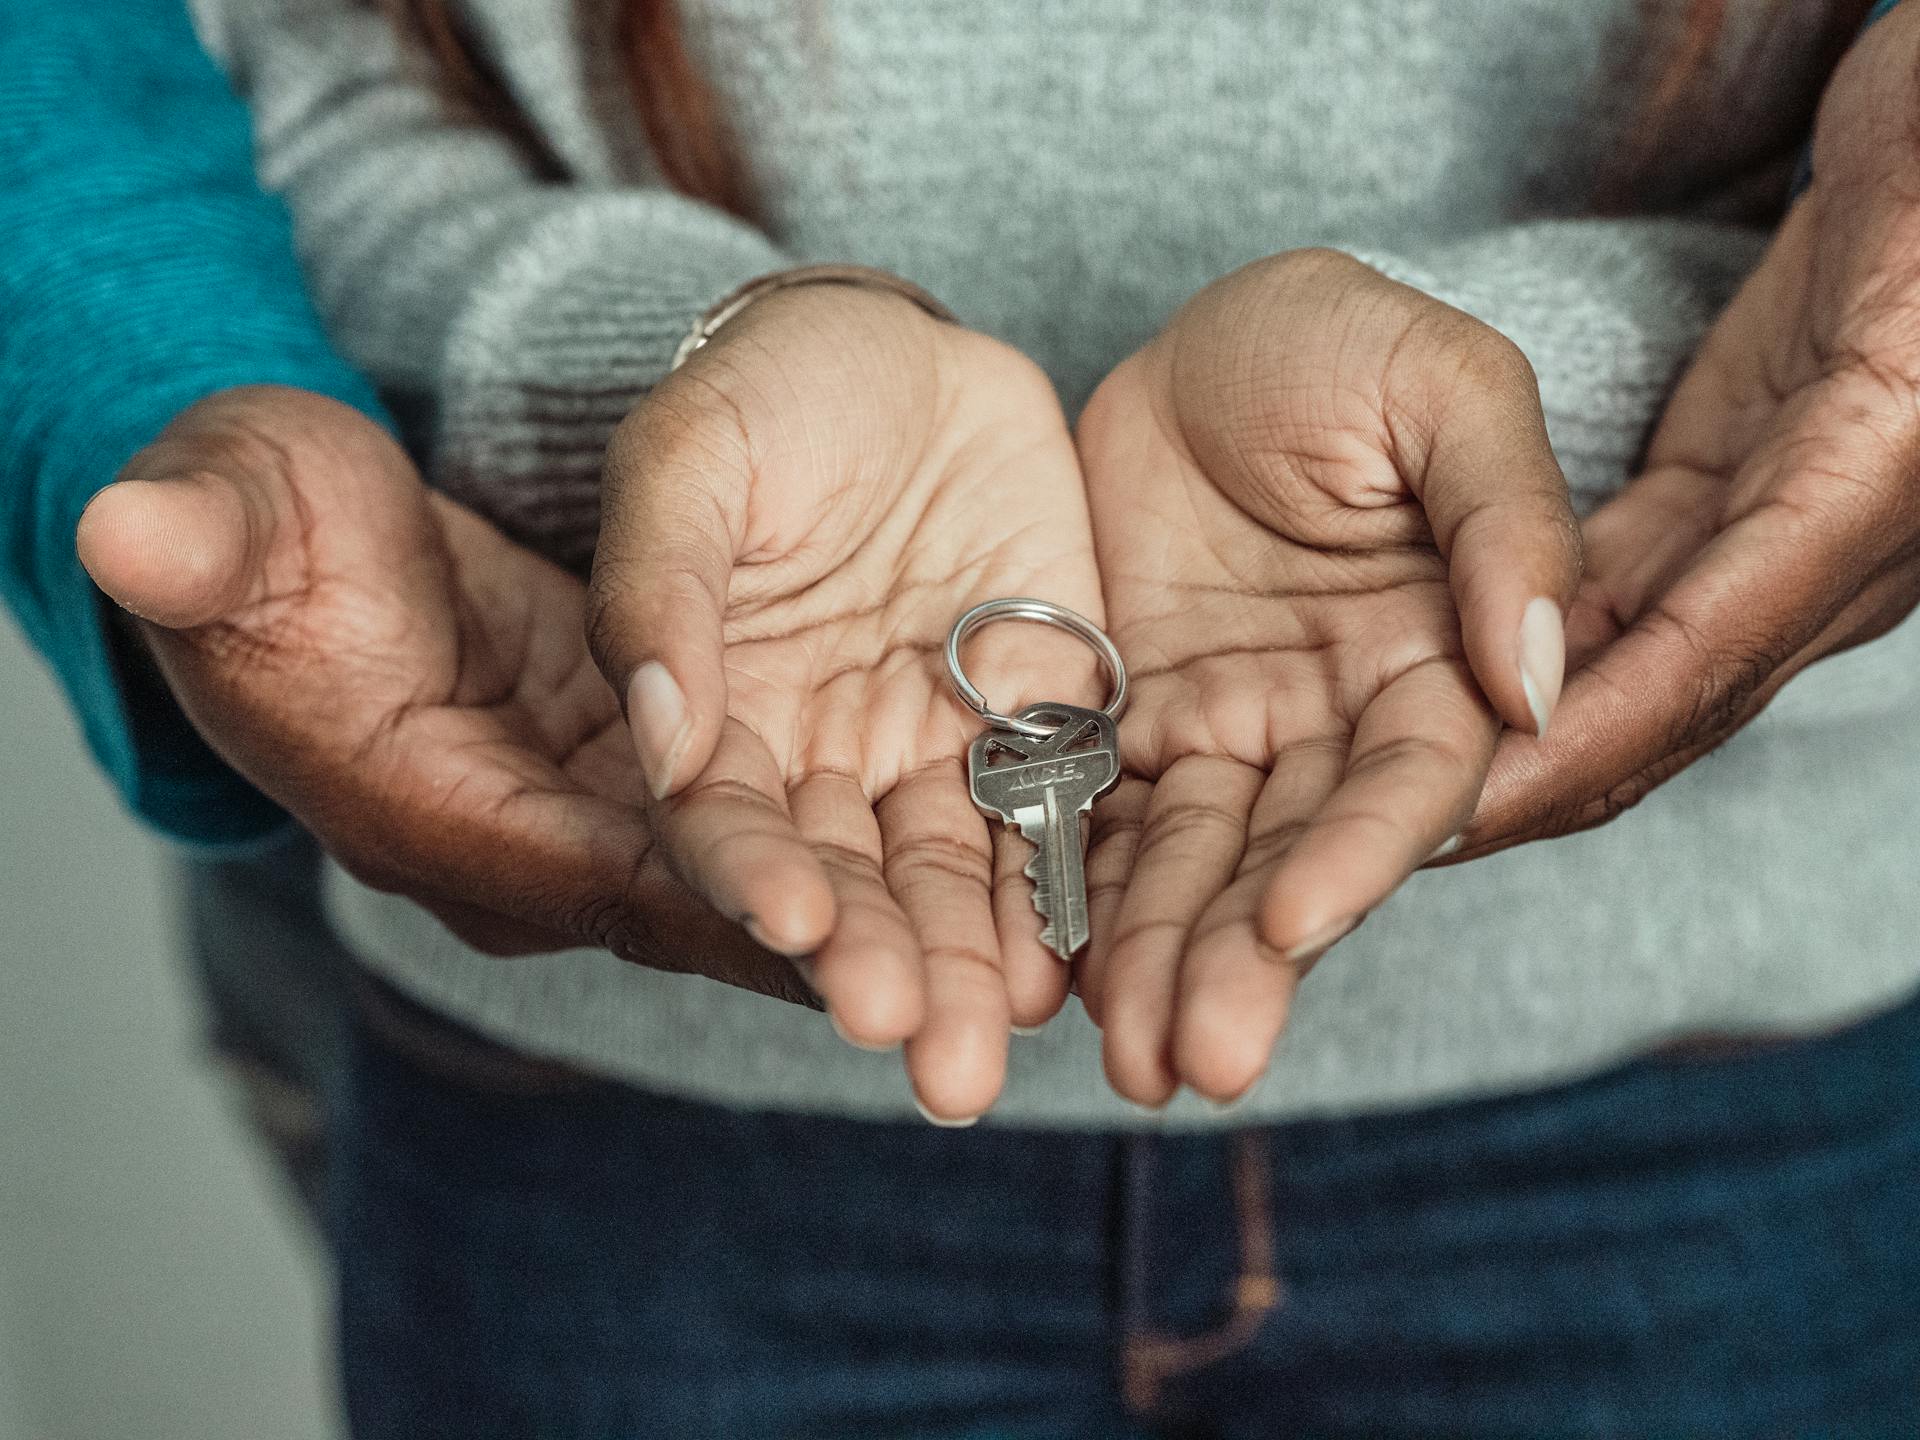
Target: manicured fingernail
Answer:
pixel 1543 659
pixel 1029 1029
pixel 1447 847
pixel 657 711
pixel 1319 940
pixel 885 1048
pixel 942 1121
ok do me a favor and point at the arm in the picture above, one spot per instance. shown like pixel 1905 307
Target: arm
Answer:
pixel 449 263
pixel 141 270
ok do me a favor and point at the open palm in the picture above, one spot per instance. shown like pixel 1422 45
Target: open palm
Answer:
pixel 792 524
pixel 1287 563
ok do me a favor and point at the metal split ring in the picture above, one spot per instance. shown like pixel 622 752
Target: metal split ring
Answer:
pixel 1044 612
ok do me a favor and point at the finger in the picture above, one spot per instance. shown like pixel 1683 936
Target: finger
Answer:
pixel 1641 541
pixel 938 866
pixel 1233 989
pixel 1113 843
pixel 730 836
pixel 1191 841
pixel 1684 676
pixel 1514 776
pixel 1635 546
pixel 676 483
pixel 1232 997
pixel 869 971
pixel 1419 758
pixel 180 550
pixel 1501 514
pixel 1036 977
pixel 205 520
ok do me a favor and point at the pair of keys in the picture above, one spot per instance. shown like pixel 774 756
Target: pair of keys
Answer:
pixel 1041 770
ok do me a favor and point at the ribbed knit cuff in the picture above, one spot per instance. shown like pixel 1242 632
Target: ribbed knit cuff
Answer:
pixel 567 332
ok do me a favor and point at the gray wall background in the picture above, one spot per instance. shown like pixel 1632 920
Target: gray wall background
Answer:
pixel 154 1283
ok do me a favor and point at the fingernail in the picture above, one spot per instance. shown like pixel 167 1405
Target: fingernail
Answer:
pixel 1543 659
pixel 1029 1029
pixel 1319 940
pixel 941 1120
pixel 885 1048
pixel 1447 847
pixel 657 711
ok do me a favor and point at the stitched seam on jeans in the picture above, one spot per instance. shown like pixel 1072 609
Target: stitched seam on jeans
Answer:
pixel 1148 1360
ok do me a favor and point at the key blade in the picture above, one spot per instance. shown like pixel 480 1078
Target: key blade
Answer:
pixel 1059 887
pixel 1041 870
pixel 1069 897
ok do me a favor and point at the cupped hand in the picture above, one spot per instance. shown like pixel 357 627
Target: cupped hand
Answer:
pixel 1335 547
pixel 411 686
pixel 1777 520
pixel 791 524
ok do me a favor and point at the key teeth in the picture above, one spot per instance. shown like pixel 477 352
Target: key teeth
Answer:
pixel 1043 901
pixel 1050 932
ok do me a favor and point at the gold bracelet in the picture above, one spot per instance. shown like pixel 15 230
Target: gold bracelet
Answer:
pixel 863 276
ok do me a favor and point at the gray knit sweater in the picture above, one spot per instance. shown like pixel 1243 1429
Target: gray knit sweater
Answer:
pixel 1064 173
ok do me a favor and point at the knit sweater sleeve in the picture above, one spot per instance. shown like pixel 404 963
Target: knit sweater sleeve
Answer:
pixel 141 270
pixel 511 314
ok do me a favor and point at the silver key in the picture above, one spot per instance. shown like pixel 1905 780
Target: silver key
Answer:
pixel 1043 787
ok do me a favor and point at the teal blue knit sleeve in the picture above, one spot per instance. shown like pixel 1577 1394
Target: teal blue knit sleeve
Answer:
pixel 141 269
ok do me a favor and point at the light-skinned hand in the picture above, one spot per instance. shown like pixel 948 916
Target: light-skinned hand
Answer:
pixel 791 524
pixel 1335 546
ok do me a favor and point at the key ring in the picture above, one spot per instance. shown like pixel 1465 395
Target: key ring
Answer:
pixel 1019 607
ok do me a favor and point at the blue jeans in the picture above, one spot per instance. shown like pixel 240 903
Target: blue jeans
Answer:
pixel 1726 1247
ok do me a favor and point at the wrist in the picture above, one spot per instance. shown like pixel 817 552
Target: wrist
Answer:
pixel 784 287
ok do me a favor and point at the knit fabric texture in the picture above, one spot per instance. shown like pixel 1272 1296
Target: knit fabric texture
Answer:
pixel 141 270
pixel 1065 173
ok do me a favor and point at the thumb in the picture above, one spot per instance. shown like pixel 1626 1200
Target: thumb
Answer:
pixel 214 515
pixel 1500 513
pixel 659 589
pixel 180 550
